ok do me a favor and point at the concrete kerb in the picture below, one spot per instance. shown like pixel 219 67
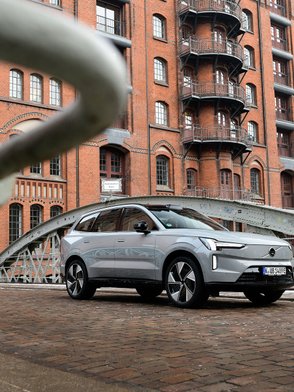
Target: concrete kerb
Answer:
pixel 288 295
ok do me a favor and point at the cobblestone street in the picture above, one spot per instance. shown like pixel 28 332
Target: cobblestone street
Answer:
pixel 123 343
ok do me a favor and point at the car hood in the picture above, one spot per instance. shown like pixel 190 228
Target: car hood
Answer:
pixel 229 236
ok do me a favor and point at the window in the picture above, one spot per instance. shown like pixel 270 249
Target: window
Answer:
pixel 251 94
pixel 278 34
pixel 280 69
pixel 191 178
pixel 160 70
pixel 233 129
pixel 162 170
pixel 36 88
pixel 55 2
pixel 159 26
pixel 247 22
pixel 36 168
pixel 221 119
pixel 86 223
pixel 220 76
pixel 282 109
pixel 188 77
pixel 108 18
pixel 219 36
pixel 249 60
pixel 36 215
pixel 188 120
pixel 161 113
pixel 252 131
pixel 15 222
pixel 255 181
pixel 284 143
pixel 55 92
pixel 111 163
pixel 237 186
pixel 55 211
pixel 287 190
pixel 226 183
pixel 16 84
pixel 107 221
pixel 131 216
pixel 55 166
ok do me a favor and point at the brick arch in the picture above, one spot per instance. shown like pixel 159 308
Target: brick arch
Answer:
pixel 23 117
pixel 258 160
pixel 167 145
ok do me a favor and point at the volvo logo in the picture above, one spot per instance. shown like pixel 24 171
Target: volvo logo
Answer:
pixel 272 252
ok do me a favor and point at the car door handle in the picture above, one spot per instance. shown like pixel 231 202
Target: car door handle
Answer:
pixel 86 242
pixel 120 240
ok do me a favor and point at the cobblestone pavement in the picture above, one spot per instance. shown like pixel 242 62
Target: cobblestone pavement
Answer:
pixel 125 343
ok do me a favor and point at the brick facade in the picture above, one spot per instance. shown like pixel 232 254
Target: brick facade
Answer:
pixel 200 145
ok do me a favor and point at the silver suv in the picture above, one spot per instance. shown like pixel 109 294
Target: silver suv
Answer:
pixel 157 247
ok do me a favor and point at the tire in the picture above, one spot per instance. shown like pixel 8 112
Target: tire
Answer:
pixel 262 298
pixel 184 283
pixel 149 292
pixel 76 279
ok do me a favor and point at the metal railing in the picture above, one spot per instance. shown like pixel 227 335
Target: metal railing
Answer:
pixel 284 114
pixel 282 79
pixel 203 90
pixel 279 43
pixel 205 46
pixel 224 6
pixel 224 194
pixel 216 133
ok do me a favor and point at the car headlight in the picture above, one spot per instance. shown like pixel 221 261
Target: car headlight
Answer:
pixel 213 244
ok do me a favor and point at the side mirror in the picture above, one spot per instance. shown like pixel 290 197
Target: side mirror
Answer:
pixel 141 227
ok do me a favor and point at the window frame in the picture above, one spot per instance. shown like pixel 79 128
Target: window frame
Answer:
pixel 16 85
pixel 159 28
pixel 15 222
pixel 162 171
pixel 160 70
pixel 161 114
pixel 36 88
pixel 55 89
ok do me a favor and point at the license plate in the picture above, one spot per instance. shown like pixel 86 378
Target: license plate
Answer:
pixel 274 271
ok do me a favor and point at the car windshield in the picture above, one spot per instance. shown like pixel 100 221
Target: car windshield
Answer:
pixel 184 218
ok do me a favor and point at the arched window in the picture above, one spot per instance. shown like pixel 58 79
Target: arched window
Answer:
pixel 55 166
pixel 234 127
pixel 191 178
pixel 252 131
pixel 186 31
pixel 162 170
pixel 15 222
pixel 160 70
pixel 55 211
pixel 287 190
pixel 255 182
pixel 36 215
pixel 159 26
pixel 219 35
pixel 36 88
pixel 247 21
pixel 249 59
pixel 16 84
pixel 161 113
pixel 251 94
pixel 55 92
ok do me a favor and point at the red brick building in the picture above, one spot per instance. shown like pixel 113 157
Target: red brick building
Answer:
pixel 210 111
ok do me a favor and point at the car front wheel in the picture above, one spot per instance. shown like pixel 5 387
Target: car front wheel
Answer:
pixel 262 298
pixel 184 283
pixel 76 279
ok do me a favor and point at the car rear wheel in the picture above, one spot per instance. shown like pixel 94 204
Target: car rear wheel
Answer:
pixel 149 292
pixel 77 284
pixel 263 297
pixel 184 283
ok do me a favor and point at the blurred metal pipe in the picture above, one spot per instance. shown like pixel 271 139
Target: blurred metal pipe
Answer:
pixel 38 38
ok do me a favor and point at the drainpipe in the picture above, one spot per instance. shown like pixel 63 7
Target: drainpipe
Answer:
pixel 76 8
pixel 147 103
pixel 263 96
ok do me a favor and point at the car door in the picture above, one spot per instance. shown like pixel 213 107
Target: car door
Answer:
pixel 134 252
pixel 100 244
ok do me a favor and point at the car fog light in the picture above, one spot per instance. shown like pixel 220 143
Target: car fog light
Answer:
pixel 214 262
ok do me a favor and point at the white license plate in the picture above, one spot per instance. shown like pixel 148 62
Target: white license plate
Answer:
pixel 274 271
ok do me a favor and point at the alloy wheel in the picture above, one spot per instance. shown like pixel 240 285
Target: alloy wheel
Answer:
pixel 181 282
pixel 75 280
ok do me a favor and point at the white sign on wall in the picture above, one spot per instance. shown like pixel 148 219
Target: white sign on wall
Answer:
pixel 111 185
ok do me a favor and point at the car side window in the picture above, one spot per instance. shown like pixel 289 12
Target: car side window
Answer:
pixel 86 223
pixel 135 215
pixel 107 221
